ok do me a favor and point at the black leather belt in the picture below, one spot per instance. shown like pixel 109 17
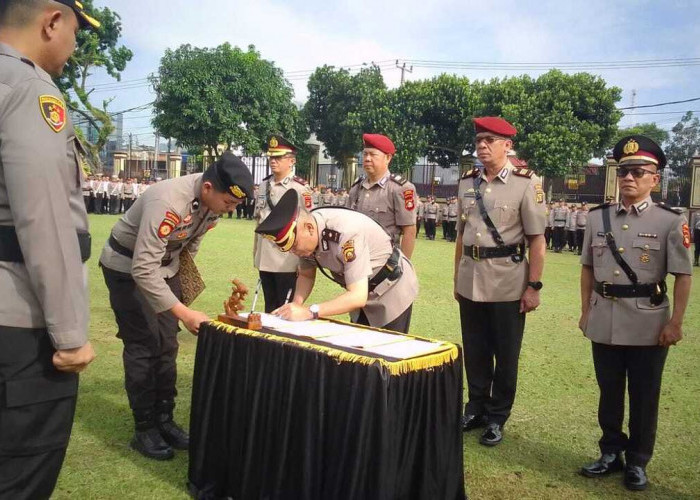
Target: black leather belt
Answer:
pixel 608 290
pixel 477 253
pixel 10 251
pixel 122 250
pixel 391 270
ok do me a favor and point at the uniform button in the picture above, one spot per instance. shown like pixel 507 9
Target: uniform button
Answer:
pixel 625 227
pixel 505 206
pixel 472 203
pixel 488 190
pixel 621 250
pixel 646 247
pixel 478 235
pixel 616 272
pixel 367 195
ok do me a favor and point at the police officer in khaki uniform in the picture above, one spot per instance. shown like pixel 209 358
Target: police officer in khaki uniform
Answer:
pixel 140 263
pixel 559 218
pixel 452 215
pixel 357 253
pixel 628 249
pixel 571 228
pixel 278 271
pixel 696 238
pixel 549 214
pixel 431 211
pixel 502 209
pixel 128 194
pixel 341 198
pixel 387 198
pixel 581 223
pixel 44 243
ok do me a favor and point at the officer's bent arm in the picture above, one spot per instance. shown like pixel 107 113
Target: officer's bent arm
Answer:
pixel 408 240
pixel 354 298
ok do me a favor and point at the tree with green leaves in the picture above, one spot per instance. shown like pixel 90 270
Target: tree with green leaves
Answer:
pixel 208 97
pixel 650 130
pixel 682 146
pixel 94 49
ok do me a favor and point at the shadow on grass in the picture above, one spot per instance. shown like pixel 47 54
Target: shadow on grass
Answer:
pixel 111 422
pixel 518 454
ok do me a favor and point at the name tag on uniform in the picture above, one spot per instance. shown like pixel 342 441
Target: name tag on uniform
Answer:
pixel 647 235
pixel 601 233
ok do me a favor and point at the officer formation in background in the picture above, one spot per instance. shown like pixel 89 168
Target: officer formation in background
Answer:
pixel 362 239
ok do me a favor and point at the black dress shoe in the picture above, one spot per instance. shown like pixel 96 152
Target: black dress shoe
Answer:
pixel 471 421
pixel 149 443
pixel 606 464
pixel 635 478
pixel 492 435
pixel 174 435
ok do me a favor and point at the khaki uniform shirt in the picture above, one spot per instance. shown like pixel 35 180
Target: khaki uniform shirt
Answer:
pixel 581 219
pixel 341 200
pixel 163 221
pixel 41 196
pixel 452 211
pixel 548 217
pixel 653 244
pixel 571 220
pixel 420 209
pixel 128 191
pixel 387 201
pixel 431 211
pixel 516 206
pixel 115 188
pixel 362 249
pixel 328 199
pixel 559 216
pixel 316 198
pixel 267 256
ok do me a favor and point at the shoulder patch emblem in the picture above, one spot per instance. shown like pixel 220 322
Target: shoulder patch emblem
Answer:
pixel 686 236
pixel 348 251
pixel 408 199
pixel 308 201
pixel 54 112
pixel 523 172
pixel 539 194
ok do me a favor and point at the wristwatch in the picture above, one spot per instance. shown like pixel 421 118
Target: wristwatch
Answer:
pixel 314 310
pixel 535 285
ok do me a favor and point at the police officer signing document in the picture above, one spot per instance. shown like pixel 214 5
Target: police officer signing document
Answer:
pixel 44 243
pixel 140 263
pixel 628 249
pixel 278 271
pixel 501 209
pixel 358 253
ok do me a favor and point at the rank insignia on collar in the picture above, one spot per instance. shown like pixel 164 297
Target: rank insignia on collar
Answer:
pixel 54 112
pixel 187 219
pixel 182 235
pixel 348 251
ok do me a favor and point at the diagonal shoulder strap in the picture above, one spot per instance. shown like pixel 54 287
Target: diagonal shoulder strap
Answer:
pixel 485 215
pixel 610 240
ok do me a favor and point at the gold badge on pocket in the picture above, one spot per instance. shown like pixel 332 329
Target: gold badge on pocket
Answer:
pixel 644 258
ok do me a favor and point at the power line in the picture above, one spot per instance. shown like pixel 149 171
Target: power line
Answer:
pixel 661 104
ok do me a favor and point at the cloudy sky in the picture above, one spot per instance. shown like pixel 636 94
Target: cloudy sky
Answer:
pixel 301 35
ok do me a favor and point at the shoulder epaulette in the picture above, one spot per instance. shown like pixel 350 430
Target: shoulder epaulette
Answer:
pixel 472 173
pixel 300 180
pixel 602 205
pixel 398 179
pixel 27 61
pixel 266 178
pixel 523 172
pixel 359 179
pixel 661 204
pixel 330 235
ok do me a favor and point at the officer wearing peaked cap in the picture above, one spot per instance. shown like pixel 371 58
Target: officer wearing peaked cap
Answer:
pixel 501 209
pixel 387 198
pixel 44 242
pixel 354 251
pixel 628 249
pixel 278 271
pixel 141 264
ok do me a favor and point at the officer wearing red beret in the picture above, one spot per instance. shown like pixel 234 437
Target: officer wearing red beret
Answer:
pixel 501 211
pixel 387 198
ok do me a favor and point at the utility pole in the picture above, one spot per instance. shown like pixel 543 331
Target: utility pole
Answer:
pixel 403 69
pixel 155 157
pixel 128 161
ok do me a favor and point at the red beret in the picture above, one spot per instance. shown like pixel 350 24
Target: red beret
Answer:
pixel 495 125
pixel 380 142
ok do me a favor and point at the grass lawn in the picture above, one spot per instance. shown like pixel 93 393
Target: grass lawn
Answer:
pixel 553 429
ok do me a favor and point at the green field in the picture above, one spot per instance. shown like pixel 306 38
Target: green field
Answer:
pixel 552 432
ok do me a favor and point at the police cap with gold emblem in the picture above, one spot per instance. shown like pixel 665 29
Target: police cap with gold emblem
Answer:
pixel 638 150
pixel 84 19
pixel 279 146
pixel 281 225
pixel 230 175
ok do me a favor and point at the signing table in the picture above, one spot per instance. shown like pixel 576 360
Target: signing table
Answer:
pixel 324 410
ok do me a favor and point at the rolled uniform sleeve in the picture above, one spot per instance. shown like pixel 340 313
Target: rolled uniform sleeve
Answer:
pixel 532 208
pixel 405 204
pixel 677 255
pixel 39 176
pixel 148 254
pixel 360 267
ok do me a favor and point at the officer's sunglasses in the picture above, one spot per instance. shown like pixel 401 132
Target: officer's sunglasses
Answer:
pixel 637 173
pixel 488 139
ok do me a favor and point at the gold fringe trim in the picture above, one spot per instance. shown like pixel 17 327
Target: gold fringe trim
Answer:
pixel 446 352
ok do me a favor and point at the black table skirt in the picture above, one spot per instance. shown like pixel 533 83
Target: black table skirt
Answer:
pixel 278 418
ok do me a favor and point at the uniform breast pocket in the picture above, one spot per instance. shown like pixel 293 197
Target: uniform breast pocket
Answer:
pixel 506 211
pixel 382 215
pixel 646 254
pixel 601 253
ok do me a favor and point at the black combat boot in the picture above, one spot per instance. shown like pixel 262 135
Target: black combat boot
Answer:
pixel 172 433
pixel 147 439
